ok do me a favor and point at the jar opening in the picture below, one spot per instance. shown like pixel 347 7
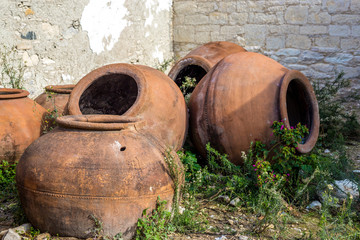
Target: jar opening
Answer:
pixel 298 105
pixel 191 71
pixel 111 94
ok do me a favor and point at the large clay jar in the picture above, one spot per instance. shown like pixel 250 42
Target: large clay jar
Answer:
pixel 239 99
pixel 20 123
pixel 93 165
pixel 201 59
pixel 134 91
pixel 55 97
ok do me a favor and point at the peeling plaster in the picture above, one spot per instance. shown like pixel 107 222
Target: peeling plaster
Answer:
pixel 104 21
pixel 159 6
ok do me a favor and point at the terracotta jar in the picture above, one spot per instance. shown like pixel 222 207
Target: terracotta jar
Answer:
pixel 134 91
pixel 239 99
pixel 20 123
pixel 201 59
pixel 98 165
pixel 55 97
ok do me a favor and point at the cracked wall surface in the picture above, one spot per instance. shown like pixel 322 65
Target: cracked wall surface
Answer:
pixel 61 41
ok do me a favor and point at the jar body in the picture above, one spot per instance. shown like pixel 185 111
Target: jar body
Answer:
pixel 20 123
pixel 55 97
pixel 238 100
pixel 68 175
pixel 134 91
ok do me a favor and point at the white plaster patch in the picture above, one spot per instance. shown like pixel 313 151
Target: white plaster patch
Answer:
pixel 157 6
pixel 67 77
pixel 104 21
pixel 157 54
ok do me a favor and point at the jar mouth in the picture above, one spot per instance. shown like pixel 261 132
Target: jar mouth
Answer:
pixel 298 104
pixel 192 66
pixel 64 89
pixel 12 93
pixel 100 122
pixel 115 89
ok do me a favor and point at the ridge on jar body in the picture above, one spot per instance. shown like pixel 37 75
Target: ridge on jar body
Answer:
pixel 200 60
pixel 93 165
pixel 55 97
pixel 20 123
pixel 134 91
pixel 239 99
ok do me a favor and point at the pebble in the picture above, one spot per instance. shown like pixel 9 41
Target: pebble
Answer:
pixel 234 202
pixel 315 205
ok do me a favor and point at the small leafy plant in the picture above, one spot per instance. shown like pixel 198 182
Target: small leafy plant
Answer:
pixel 187 87
pixel 11 68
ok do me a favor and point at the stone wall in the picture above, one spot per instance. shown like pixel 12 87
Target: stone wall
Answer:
pixel 317 37
pixel 60 41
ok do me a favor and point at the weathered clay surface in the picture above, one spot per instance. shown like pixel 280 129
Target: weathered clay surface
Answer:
pixel 201 59
pixel 104 166
pixel 20 123
pixel 239 99
pixel 55 97
pixel 134 91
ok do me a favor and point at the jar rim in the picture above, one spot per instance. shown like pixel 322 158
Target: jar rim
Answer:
pixel 64 89
pixel 12 93
pixel 100 122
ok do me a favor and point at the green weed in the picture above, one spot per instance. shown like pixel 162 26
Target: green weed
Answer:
pixel 11 68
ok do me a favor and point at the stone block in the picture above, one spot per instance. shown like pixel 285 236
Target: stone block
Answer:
pixel 262 18
pixel 311 30
pixel 284 29
pixel 255 35
pixel 355 31
pixel 355 6
pixel 241 6
pixel 290 60
pixel 339 58
pixel 185 7
pixel 275 42
pixel 208 28
pixel 325 49
pixel 296 14
pixel 254 6
pixel 238 18
pixel 350 72
pixel 339 30
pixel 231 30
pixel 207 7
pixel 351 19
pixel 196 19
pixel 218 18
pixel 288 52
pixel 24 45
pixel 334 6
pixel 298 67
pixel 184 34
pixel 298 41
pixel 202 37
pixel 327 41
pixel 350 44
pixel 310 56
pixel 228 7
pixel 323 67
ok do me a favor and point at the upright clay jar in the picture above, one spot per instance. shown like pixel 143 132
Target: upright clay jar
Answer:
pixel 20 123
pixel 239 99
pixel 93 165
pixel 134 91
pixel 55 97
